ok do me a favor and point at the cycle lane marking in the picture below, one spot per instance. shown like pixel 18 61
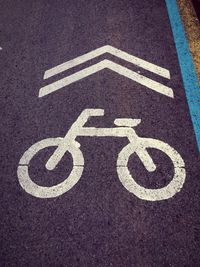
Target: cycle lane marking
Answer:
pixel 107 64
pixel 189 76
pixel 78 61
pixel 136 145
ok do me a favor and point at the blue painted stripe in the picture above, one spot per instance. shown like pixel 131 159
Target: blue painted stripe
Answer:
pixel 189 76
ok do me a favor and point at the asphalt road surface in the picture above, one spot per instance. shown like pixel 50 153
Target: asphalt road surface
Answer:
pixel 99 221
pixel 196 4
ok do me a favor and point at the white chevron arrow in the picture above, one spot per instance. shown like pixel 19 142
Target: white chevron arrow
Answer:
pixel 113 51
pixel 147 82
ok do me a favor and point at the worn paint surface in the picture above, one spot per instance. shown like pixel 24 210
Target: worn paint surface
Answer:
pixel 192 28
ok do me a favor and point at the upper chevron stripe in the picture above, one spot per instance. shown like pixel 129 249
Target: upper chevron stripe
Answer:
pixel 114 51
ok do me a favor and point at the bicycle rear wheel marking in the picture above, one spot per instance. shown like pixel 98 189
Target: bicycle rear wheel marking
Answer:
pixel 151 194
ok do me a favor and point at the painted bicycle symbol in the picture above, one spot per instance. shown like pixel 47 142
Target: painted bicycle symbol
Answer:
pixel 124 128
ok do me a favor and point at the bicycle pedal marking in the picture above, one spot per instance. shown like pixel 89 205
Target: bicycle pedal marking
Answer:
pixel 138 145
pixel 107 64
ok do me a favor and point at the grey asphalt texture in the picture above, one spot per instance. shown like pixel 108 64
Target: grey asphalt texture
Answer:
pixel 98 222
pixel 196 4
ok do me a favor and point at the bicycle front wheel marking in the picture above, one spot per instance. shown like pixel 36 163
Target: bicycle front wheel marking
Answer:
pixel 49 192
pixel 141 192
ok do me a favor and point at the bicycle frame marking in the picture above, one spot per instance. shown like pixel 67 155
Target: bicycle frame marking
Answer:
pixel 136 145
pixel 78 129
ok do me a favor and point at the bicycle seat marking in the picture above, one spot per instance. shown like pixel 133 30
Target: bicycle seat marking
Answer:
pixel 137 145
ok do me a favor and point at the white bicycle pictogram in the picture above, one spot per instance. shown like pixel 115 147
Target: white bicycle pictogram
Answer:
pixel 124 128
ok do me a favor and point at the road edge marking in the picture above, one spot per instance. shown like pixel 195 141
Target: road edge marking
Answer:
pixel 189 76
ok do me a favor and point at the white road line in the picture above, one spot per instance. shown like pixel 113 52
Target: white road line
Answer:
pixel 156 86
pixel 114 51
